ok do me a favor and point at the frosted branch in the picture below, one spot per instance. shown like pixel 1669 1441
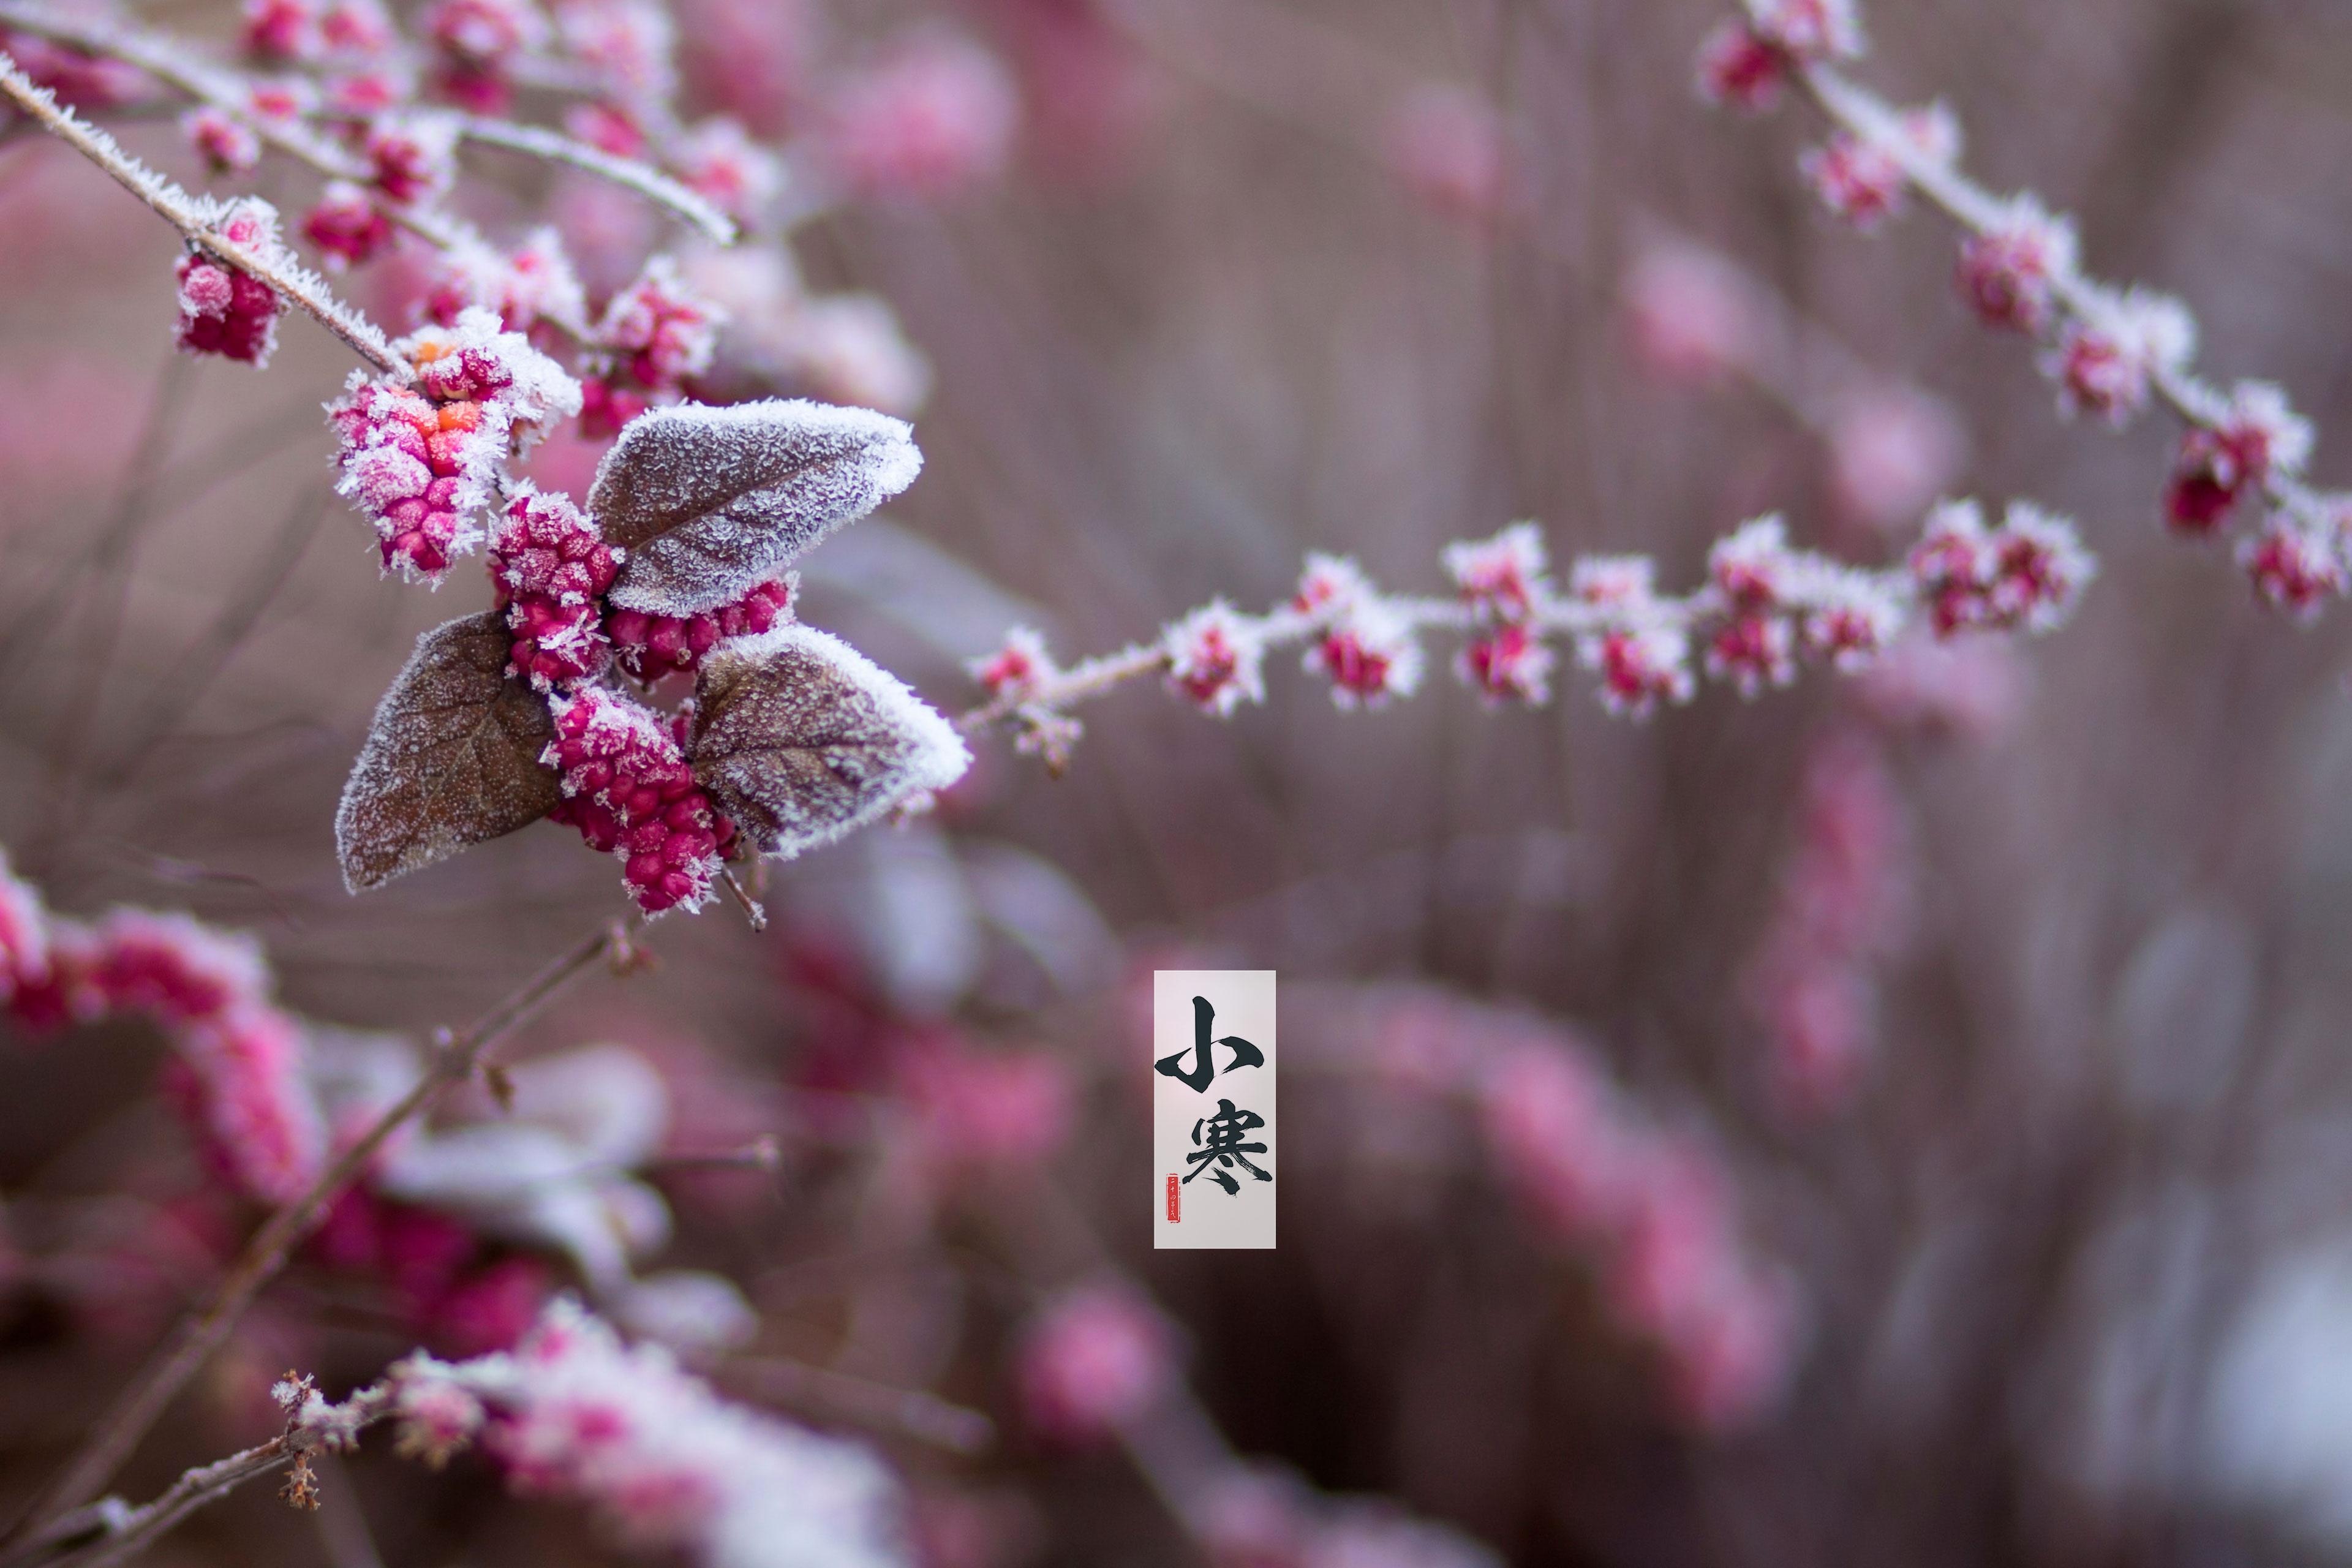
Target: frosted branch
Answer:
pixel 643 178
pixel 194 221
pixel 2111 350
pixel 1763 607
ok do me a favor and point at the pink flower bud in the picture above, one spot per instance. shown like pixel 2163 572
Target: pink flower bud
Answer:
pixel 720 161
pixel 1753 651
pixel 2008 272
pixel 346 226
pixel 414 156
pixel 1501 578
pixel 2106 360
pixel 1368 653
pixel 1508 664
pixel 226 144
pixel 1017 667
pixel 2294 566
pixel 1640 666
pixel 664 331
pixel 282 30
pixel 2257 433
pixel 1753 567
pixel 1215 660
pixel 1856 180
pixel 1739 67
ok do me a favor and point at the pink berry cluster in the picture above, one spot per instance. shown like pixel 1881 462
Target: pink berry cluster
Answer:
pixel 571 1412
pixel 420 461
pixel 1765 605
pixel 653 336
pixel 629 791
pixel 476 45
pixel 269 1095
pixel 225 310
pixel 552 568
pixel 1841 910
pixel 1650 1208
pixel 237 1070
pixel 2026 572
pixel 2111 350
pixel 341 33
pixel 650 646
pixel 81 78
pixel 531 283
pixel 1749 60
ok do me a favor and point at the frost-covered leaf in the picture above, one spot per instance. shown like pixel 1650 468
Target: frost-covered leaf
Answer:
pixel 711 502
pixel 452 759
pixel 802 739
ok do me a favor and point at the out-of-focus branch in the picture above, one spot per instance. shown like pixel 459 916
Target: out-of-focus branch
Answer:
pixel 200 1333
pixel 183 212
pixel 173 63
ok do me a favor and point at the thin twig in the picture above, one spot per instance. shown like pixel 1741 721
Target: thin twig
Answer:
pixel 203 1330
pixel 908 1412
pixel 175 206
pixel 1975 210
pixel 643 178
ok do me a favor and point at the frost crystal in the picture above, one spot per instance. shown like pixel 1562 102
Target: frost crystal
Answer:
pixel 628 790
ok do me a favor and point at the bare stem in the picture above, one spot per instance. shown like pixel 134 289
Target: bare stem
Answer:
pixel 202 1331
pixel 643 178
pixel 183 211
pixel 906 1412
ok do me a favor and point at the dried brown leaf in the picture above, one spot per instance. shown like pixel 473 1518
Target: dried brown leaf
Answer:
pixel 802 739
pixel 451 761
pixel 711 502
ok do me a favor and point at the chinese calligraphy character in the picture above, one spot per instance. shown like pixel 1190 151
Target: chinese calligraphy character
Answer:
pixel 1224 1148
pixel 1204 1066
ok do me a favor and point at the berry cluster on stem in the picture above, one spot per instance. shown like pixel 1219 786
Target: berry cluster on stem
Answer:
pixel 2112 350
pixel 1766 606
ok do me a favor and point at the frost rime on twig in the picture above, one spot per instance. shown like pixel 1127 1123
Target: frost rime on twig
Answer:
pixel 198 221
